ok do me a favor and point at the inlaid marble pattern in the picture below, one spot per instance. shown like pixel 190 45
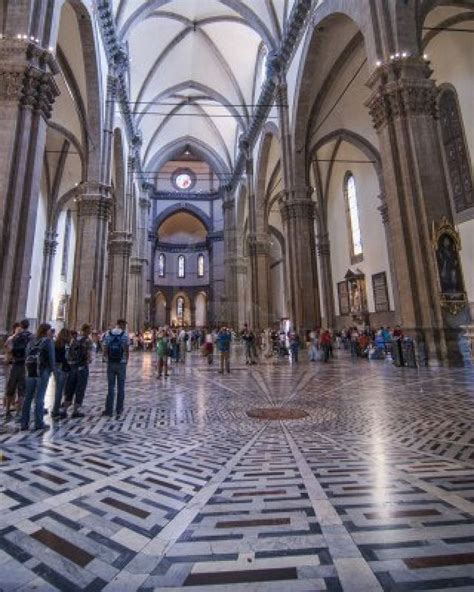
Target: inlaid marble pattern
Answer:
pixel 371 489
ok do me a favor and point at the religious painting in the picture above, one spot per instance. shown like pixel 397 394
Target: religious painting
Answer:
pixel 447 245
pixel 356 290
pixel 344 307
pixel 380 288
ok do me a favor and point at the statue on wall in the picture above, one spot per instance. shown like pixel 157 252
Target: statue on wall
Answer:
pixel 447 245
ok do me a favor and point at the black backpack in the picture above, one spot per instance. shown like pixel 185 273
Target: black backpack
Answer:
pixel 19 345
pixel 35 358
pixel 77 352
pixel 115 347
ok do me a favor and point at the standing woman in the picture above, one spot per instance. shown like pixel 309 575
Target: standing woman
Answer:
pixel 61 372
pixel 40 363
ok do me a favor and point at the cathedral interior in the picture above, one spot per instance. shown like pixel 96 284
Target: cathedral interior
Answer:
pixel 291 166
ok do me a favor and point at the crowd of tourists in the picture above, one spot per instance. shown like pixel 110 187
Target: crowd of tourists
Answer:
pixel 33 358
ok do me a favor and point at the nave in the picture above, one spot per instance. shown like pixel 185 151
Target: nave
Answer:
pixel 372 489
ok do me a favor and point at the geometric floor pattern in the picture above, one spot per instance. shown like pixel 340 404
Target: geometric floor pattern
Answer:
pixel 373 489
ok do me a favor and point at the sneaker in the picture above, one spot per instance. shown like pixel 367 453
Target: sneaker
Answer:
pixel 118 416
pixel 77 414
pixel 24 428
pixel 60 415
pixel 105 414
pixel 45 427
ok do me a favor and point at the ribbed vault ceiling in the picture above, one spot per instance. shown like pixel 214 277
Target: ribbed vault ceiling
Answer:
pixel 196 68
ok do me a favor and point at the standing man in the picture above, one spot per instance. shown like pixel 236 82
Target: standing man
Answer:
pixel 15 354
pixel 116 352
pixel 223 345
pixel 79 357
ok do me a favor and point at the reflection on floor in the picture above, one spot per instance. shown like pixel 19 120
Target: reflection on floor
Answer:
pixel 372 489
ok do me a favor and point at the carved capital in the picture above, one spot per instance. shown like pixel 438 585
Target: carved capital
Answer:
pixel 297 208
pixel 94 200
pixel 50 243
pixel 258 244
pixel 402 89
pixel 120 243
pixel 323 247
pixel 228 204
pixel 144 203
pixel 383 209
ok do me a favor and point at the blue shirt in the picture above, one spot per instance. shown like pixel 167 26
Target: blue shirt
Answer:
pixel 223 341
pixel 124 339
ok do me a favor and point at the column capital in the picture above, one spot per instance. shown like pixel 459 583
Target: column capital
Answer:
pixel 298 208
pixel 120 243
pixel 258 244
pixel 50 243
pixel 144 203
pixel 228 204
pixel 323 247
pixel 94 200
pixel 402 88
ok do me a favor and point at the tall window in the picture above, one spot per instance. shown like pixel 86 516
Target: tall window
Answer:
pixel 67 239
pixel 181 266
pixel 180 307
pixel 353 215
pixel 201 265
pixel 456 150
pixel 161 265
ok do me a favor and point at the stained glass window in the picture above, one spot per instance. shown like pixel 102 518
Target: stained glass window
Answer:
pixel 180 307
pixel 161 265
pixel 353 210
pixel 456 150
pixel 181 266
pixel 201 266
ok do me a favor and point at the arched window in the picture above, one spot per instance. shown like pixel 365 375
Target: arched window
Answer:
pixel 161 265
pixel 180 307
pixel 181 266
pixel 353 218
pixel 201 265
pixel 456 150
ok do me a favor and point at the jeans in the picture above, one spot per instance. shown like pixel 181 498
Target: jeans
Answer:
pixel 35 388
pixel 294 352
pixel 60 377
pixel 354 349
pixel 225 361
pixel 116 372
pixel 76 385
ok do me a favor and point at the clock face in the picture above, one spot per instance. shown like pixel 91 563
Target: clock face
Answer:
pixel 183 179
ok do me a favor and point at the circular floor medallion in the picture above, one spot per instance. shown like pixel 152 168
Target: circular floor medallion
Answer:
pixel 276 413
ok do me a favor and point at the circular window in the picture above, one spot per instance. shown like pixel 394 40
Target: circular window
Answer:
pixel 183 179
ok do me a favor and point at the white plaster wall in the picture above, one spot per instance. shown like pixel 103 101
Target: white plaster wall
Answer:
pixel 373 234
pixel 59 287
pixel 37 259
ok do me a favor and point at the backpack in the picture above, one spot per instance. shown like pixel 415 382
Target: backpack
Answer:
pixel 34 361
pixel 77 352
pixel 115 347
pixel 19 344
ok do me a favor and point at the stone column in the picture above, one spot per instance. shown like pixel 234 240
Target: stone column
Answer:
pixel 258 250
pixel 136 299
pixel 297 212
pixel 120 249
pixel 27 93
pixel 230 254
pixel 240 270
pixel 94 206
pixel 403 108
pixel 49 252
pixel 323 248
pixel 144 254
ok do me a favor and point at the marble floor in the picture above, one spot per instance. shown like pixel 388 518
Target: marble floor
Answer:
pixel 371 489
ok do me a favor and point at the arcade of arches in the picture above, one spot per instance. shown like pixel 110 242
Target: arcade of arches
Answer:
pixel 286 164
pixel 322 175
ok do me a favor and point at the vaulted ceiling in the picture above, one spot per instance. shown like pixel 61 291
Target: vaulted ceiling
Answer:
pixel 196 69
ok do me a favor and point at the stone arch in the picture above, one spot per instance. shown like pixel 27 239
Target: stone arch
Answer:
pixel 182 207
pixel 270 133
pixel 93 97
pixel 200 148
pixel 333 18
